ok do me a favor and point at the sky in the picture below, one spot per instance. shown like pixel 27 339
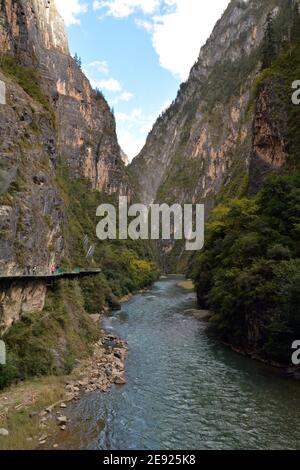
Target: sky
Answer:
pixel 137 52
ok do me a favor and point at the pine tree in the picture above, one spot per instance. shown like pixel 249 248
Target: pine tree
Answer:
pixel 99 93
pixel 295 32
pixel 77 60
pixel 269 43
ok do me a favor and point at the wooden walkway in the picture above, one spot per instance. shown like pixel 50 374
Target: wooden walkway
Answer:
pixel 49 277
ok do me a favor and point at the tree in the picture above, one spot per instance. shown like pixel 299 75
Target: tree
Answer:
pixel 99 94
pixel 269 43
pixel 77 60
pixel 295 32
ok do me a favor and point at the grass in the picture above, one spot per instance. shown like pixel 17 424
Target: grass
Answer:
pixel 28 78
pixel 49 342
pixel 19 409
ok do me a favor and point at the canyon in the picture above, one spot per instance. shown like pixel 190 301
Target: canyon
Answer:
pixel 60 158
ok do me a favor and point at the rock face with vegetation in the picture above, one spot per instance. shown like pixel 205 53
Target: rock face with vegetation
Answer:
pixel 201 145
pixel 59 159
pixel 248 273
pixel 52 116
pixel 232 125
pixel 85 136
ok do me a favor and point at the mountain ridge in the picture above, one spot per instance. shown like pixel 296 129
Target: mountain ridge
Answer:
pixel 193 129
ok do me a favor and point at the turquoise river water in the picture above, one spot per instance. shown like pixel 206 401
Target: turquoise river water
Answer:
pixel 184 390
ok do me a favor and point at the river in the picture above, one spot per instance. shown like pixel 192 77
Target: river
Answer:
pixel 184 390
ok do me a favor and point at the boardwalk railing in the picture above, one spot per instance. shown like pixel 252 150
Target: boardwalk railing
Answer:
pixel 59 273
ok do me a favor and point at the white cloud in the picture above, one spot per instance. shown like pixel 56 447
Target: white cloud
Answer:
pixel 178 27
pixel 94 70
pixel 110 84
pixel 178 36
pixel 147 25
pixel 71 9
pixel 124 8
pixel 100 66
pixel 130 143
pixel 125 96
pixel 133 117
pixel 133 128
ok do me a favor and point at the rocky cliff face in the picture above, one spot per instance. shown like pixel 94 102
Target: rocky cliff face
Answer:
pixel 30 27
pixel 205 143
pixel 18 298
pixel 51 117
pixel 269 136
pixel 232 124
pixel 34 33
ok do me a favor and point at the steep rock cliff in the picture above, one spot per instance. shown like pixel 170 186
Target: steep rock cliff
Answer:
pixel 34 33
pixel 269 142
pixel 248 272
pixel 51 116
pixel 201 146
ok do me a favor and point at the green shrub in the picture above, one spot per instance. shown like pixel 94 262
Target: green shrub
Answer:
pixel 249 271
pixel 120 260
pixel 48 342
pixel 28 79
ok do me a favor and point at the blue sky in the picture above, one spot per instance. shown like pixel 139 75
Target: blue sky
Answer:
pixel 138 52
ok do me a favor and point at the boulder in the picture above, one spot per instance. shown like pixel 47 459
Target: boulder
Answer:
pixel 118 380
pixel 62 419
pixel 203 315
pixel 95 317
pixel 113 303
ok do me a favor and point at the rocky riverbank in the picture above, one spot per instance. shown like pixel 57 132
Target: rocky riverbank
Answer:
pixel 42 403
pixel 292 372
pixel 105 368
pixel 202 315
